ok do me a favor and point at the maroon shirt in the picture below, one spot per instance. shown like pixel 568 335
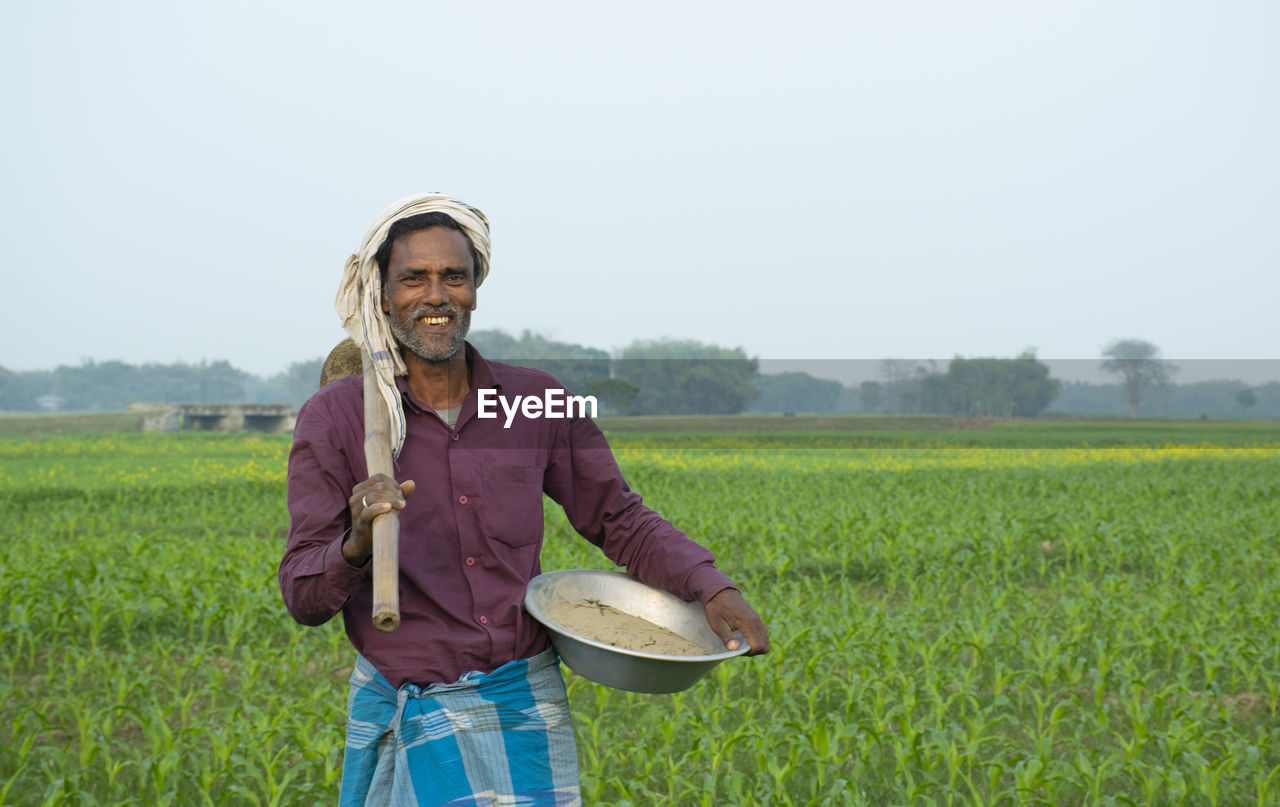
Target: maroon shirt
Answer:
pixel 471 533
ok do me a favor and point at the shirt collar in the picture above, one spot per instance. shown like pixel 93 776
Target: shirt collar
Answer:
pixel 482 376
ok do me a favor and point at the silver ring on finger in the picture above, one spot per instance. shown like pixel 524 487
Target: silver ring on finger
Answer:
pixel 364 501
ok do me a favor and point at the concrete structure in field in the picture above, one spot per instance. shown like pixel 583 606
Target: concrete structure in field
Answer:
pixel 222 417
pixel 50 403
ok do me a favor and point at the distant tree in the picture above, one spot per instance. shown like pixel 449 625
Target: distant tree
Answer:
pixel 1246 398
pixel 684 377
pixel 493 344
pixel 108 385
pixel 1018 387
pixel 298 382
pixel 850 401
pixel 574 365
pixel 302 379
pixel 15 393
pixel 217 382
pixel 795 392
pixel 871 393
pixel 113 385
pixel 1139 366
pixel 1213 398
pixel 933 392
pixel 1033 389
pixel 902 384
pixel 614 394
pixel 36 383
pixel 271 389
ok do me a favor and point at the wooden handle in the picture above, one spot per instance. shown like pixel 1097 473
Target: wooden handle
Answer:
pixel 386 527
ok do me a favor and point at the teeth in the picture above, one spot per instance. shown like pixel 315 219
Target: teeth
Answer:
pixel 434 320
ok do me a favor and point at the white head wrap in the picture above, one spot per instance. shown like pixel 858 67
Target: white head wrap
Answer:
pixel 359 300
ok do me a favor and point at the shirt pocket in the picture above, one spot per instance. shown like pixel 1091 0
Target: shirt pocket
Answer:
pixel 511 512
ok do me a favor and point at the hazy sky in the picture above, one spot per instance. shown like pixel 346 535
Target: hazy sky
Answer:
pixel 838 180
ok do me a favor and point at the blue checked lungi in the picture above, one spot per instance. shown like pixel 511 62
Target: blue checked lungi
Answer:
pixel 502 738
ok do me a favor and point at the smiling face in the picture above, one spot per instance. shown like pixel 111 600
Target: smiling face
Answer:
pixel 430 292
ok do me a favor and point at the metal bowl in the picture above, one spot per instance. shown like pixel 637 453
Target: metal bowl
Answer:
pixel 617 667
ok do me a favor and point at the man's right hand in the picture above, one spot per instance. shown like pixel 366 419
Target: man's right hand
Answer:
pixel 371 498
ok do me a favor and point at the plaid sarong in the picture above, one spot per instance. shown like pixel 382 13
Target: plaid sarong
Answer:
pixel 504 738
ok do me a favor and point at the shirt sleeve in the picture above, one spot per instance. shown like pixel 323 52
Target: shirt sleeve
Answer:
pixel 315 580
pixel 584 478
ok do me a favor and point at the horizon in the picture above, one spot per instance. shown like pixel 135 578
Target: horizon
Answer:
pixel 851 372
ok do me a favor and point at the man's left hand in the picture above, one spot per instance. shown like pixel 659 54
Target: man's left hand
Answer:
pixel 728 611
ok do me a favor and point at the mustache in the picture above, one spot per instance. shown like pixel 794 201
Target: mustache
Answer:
pixel 436 311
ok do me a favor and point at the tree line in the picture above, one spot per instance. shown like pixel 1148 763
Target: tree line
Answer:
pixel 111 386
pixel 688 377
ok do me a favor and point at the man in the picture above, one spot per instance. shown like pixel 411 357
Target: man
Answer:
pixel 464 704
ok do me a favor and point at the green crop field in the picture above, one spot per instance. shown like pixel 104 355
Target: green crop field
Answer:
pixel 1033 617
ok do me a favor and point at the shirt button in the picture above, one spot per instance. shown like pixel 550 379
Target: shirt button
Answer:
pixel 462 500
pixel 455 437
pixel 471 561
pixel 484 620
